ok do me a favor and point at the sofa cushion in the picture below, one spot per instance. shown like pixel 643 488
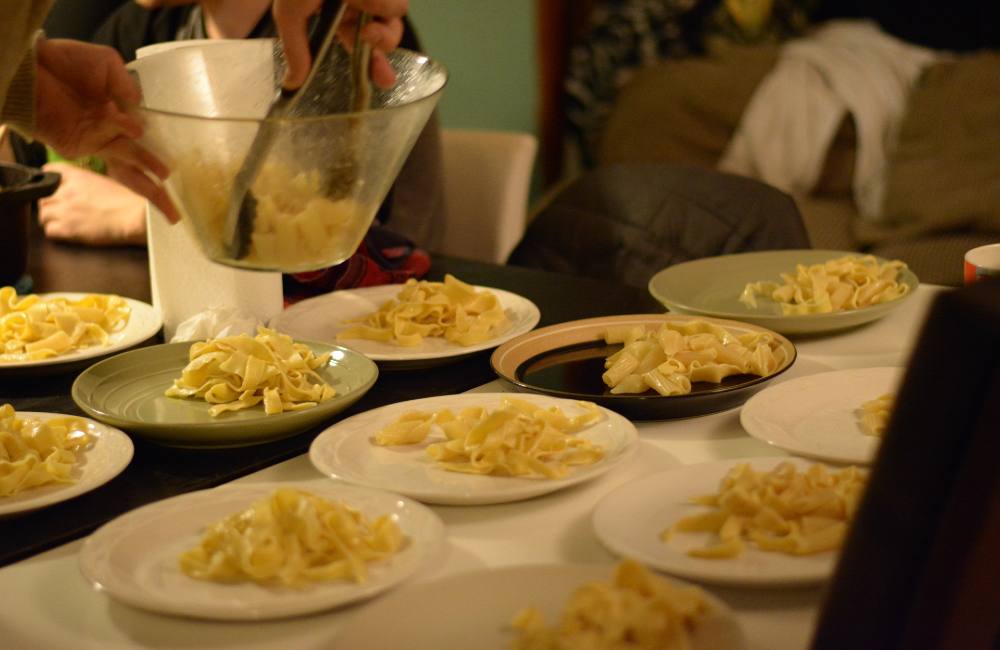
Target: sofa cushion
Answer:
pixel 944 172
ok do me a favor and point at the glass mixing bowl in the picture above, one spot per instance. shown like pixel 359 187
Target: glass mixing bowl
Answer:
pixel 324 176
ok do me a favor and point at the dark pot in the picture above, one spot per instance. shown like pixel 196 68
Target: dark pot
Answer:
pixel 20 189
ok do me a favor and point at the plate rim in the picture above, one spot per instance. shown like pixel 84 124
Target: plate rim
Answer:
pixel 143 334
pixel 144 428
pixel 409 359
pixel 73 490
pixel 718 468
pixel 430 496
pixel 855 316
pixel 796 450
pixel 93 547
pixel 579 571
pixel 497 357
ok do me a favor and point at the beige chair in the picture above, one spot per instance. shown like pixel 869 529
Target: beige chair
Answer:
pixel 487 177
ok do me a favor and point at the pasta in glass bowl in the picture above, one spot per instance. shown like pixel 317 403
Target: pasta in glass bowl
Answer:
pixel 323 175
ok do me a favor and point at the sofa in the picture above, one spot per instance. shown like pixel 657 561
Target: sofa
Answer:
pixel 943 179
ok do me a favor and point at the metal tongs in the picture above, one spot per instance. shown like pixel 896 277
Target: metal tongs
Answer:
pixel 304 101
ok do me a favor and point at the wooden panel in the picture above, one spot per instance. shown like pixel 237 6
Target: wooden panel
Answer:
pixel 558 23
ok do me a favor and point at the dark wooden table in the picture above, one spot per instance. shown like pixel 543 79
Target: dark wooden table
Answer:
pixel 158 472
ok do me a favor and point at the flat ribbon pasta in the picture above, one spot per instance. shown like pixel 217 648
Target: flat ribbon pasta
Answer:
pixel 295 226
pixel 674 355
pixel 452 310
pixel 517 439
pixel 873 416
pixel 238 372
pixel 292 537
pixel 842 284
pixel 32 329
pixel 635 610
pixel 36 452
pixel 783 510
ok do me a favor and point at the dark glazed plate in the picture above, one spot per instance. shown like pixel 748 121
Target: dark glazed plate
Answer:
pixel 567 360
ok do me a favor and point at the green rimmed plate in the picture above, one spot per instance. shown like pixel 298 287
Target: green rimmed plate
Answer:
pixel 712 286
pixel 127 391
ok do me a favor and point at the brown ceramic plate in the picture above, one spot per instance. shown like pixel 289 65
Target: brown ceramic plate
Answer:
pixel 567 360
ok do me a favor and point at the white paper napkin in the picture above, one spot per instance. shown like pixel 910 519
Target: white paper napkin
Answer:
pixel 186 283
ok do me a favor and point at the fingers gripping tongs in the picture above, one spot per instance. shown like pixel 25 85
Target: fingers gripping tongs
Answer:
pixel 242 211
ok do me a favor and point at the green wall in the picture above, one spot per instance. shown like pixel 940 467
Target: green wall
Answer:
pixel 489 49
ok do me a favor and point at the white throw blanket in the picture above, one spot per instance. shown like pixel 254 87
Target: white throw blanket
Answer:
pixel 844 67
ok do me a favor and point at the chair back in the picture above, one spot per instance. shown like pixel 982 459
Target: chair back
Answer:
pixel 487 179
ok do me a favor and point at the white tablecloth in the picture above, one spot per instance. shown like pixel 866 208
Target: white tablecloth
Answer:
pixel 46 603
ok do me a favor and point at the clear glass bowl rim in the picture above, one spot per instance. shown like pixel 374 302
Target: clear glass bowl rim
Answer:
pixel 432 96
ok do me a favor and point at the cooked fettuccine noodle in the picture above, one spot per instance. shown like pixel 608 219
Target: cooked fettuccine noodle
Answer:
pixel 32 329
pixel 635 610
pixel 782 510
pixel 674 355
pixel 845 283
pixel 292 537
pixel 874 414
pixel 295 225
pixel 35 452
pixel 452 310
pixel 518 439
pixel 238 372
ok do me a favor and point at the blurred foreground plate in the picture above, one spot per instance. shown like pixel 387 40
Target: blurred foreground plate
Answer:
pixel 567 360
pixel 712 286
pixel 134 558
pixel 475 610
pixel 323 317
pixel 127 391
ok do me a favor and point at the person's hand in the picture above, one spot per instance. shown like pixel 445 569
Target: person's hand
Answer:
pixel 383 32
pixel 83 92
pixel 91 208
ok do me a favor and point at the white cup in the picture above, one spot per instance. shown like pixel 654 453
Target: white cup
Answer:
pixel 982 262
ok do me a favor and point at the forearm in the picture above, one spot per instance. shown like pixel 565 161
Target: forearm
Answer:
pixel 19 22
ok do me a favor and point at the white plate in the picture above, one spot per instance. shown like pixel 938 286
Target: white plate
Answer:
pixel 629 520
pixel 323 317
pixel 474 610
pixel 108 455
pixel 345 451
pixel 143 323
pixel 817 415
pixel 712 286
pixel 134 558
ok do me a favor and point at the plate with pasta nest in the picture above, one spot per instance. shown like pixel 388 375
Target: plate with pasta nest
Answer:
pixel 632 520
pixel 483 604
pixel 143 323
pixel 330 316
pixel 835 416
pixel 484 470
pixel 128 391
pixel 569 360
pixel 100 457
pixel 137 557
pixel 713 286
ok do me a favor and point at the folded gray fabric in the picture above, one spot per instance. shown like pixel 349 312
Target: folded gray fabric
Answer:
pixel 627 221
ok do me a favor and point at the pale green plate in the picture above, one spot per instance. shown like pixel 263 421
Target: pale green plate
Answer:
pixel 126 391
pixel 712 286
